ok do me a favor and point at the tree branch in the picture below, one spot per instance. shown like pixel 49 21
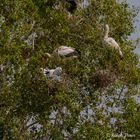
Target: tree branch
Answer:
pixel 121 92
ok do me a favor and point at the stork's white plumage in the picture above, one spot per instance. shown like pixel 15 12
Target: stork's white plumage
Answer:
pixel 109 41
pixel 67 51
pixel 54 74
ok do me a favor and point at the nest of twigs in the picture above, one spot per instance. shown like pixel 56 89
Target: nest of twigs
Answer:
pixel 65 84
pixel 52 87
pixel 103 78
pixel 66 81
pixel 26 53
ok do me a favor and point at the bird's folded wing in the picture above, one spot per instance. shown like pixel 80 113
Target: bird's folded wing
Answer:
pixel 66 51
pixel 112 42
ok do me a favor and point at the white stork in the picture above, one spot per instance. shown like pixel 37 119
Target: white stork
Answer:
pixel 54 74
pixel 111 42
pixel 66 51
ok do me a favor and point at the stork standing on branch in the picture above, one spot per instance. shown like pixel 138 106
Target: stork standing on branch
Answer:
pixel 109 41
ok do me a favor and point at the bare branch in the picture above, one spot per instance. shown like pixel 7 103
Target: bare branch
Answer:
pixel 121 92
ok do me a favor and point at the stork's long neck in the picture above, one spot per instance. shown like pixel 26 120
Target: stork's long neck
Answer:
pixel 106 32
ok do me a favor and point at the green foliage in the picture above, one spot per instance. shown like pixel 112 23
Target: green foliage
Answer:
pixel 72 108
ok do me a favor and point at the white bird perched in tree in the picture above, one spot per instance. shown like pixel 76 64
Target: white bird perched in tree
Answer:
pixel 54 74
pixel 67 51
pixel 111 42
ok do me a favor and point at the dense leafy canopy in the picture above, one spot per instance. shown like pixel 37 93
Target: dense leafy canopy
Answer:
pixel 94 98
